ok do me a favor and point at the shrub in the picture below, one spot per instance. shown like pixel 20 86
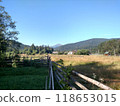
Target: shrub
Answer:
pixel 14 65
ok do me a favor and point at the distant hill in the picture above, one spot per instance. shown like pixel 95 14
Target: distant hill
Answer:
pixel 22 46
pixel 87 44
pixel 57 45
pixel 16 44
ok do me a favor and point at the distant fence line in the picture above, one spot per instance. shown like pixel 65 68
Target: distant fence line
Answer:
pixel 21 60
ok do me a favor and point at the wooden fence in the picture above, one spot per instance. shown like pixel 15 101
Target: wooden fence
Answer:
pixel 51 77
pixel 59 75
pixel 22 60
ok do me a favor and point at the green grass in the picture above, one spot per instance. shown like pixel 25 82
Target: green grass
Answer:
pixel 24 78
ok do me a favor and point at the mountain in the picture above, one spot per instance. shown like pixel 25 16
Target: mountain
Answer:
pixel 87 44
pixel 56 46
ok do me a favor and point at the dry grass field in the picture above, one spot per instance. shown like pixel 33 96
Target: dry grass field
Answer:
pixel 102 68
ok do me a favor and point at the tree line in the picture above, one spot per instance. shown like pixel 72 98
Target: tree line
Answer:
pixel 111 46
pixel 82 52
pixel 32 50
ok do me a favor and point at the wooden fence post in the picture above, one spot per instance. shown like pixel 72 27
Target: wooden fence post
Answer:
pixel 51 78
pixel 46 83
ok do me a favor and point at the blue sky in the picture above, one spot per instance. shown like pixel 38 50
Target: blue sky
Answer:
pixel 49 22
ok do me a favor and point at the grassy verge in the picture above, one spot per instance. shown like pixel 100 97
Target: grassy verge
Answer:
pixel 24 78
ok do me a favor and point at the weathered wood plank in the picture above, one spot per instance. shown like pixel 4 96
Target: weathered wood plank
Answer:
pixel 52 78
pixel 61 70
pixel 49 75
pixel 58 64
pixel 78 84
pixel 46 83
pixel 73 88
pixel 60 74
pixel 49 80
pixel 99 84
pixel 58 82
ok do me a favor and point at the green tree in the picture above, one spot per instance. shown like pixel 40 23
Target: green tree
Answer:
pixel 111 46
pixel 32 50
pixel 7 32
pixel 83 52
pixel 33 47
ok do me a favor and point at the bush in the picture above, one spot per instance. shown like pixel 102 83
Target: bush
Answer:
pixel 14 64
pixel 60 61
pixel 60 53
pixel 83 52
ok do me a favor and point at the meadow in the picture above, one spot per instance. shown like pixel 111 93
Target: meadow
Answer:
pixel 105 69
pixel 23 78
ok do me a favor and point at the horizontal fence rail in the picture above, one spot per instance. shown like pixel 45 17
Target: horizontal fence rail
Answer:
pixel 79 84
pixel 22 60
pixel 99 84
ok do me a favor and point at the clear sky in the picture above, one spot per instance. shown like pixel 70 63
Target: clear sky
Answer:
pixel 49 22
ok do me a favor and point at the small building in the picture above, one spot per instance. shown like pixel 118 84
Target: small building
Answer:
pixel 70 53
pixel 55 52
pixel 107 53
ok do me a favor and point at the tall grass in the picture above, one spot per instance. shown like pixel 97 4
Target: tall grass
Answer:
pixel 23 78
pixel 103 68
